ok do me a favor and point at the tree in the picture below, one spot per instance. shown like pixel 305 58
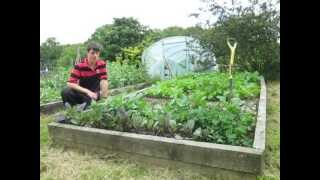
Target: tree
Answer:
pixel 194 31
pixel 123 33
pixel 173 31
pixel 69 54
pixel 255 27
pixel 50 51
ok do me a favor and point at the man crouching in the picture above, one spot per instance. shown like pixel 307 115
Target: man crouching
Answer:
pixel 88 80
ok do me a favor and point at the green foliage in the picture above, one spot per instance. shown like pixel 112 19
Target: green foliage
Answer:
pixel 92 117
pixel 123 33
pixel 173 31
pixel 123 74
pixel 69 54
pixel 50 51
pixel 195 31
pixel 257 48
pixel 52 84
pixel 131 55
pixel 188 113
pixel 209 86
pixel 257 31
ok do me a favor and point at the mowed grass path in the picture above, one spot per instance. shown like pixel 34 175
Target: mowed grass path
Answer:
pixel 59 164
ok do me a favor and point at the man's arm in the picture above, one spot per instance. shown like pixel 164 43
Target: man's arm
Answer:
pixel 73 83
pixel 83 90
pixel 103 80
pixel 104 88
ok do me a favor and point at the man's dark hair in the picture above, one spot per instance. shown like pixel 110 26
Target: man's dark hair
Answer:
pixel 94 46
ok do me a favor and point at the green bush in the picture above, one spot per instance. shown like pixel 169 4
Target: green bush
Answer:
pixel 255 25
pixel 52 84
pixel 257 49
pixel 122 33
pixel 124 74
pixel 69 54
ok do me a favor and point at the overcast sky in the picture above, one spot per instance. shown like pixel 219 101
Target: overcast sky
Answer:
pixel 73 21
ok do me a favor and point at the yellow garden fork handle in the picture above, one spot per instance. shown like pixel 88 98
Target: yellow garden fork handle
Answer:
pixel 232 49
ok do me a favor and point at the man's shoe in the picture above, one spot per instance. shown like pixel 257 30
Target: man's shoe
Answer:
pixel 67 105
pixel 82 106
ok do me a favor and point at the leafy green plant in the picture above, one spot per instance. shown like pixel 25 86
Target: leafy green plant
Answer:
pixel 123 74
pixel 189 113
pixel 208 85
pixel 52 84
pixel 91 117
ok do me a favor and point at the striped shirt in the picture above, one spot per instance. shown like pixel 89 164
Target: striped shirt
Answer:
pixel 88 78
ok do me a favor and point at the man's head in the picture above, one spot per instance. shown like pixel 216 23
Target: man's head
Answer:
pixel 93 51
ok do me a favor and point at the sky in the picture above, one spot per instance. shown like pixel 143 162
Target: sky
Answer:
pixel 73 21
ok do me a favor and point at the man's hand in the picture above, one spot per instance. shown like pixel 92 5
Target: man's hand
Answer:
pixel 92 95
pixel 89 93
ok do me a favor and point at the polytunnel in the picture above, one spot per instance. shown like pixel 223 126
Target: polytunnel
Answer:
pixel 177 55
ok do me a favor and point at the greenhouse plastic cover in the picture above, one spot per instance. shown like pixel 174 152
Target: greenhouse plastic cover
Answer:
pixel 180 53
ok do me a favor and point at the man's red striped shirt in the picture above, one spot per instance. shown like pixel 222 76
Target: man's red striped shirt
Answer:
pixel 89 78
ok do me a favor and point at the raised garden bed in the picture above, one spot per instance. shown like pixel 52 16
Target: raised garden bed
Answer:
pixel 57 105
pixel 222 161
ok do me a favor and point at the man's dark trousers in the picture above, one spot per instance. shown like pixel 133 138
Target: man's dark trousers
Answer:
pixel 74 97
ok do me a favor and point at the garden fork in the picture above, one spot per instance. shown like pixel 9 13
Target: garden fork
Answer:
pixel 232 49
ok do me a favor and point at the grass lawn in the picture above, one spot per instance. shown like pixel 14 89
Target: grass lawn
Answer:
pixel 58 164
pixel 272 156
